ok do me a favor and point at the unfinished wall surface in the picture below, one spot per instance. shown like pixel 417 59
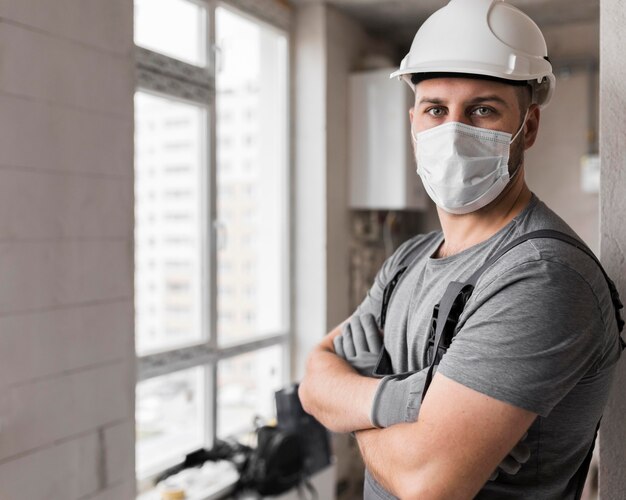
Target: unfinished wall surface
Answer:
pixel 309 175
pixel 613 229
pixel 66 255
pixel 327 47
pixel 552 165
pixel 347 46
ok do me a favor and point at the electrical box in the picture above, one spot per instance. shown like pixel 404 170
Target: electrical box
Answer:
pixel 590 174
pixel 382 163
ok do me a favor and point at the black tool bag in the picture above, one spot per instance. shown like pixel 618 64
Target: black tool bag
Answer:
pixel 289 453
pixel 447 312
pixel 313 435
pixel 276 464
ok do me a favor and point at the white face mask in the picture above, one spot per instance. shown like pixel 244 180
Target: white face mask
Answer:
pixel 463 168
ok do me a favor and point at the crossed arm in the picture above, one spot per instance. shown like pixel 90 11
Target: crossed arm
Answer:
pixel 333 392
pixel 458 440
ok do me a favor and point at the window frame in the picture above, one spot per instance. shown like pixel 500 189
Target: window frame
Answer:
pixel 164 76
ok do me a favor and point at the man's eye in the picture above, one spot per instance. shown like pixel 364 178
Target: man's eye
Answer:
pixel 436 112
pixel 482 111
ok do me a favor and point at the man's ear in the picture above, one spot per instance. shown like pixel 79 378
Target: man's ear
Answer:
pixel 411 112
pixel 532 126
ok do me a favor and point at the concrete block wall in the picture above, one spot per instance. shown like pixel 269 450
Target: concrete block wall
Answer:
pixel 612 228
pixel 66 250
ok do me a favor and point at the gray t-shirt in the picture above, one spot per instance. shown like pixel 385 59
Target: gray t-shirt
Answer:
pixel 539 332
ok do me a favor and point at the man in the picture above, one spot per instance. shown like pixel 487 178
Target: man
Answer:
pixel 537 343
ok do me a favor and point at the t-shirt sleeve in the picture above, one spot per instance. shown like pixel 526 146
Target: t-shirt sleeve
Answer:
pixel 527 335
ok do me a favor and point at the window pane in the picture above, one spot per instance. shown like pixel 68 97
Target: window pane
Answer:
pixel 246 386
pixel 169 147
pixel 251 178
pixel 169 419
pixel 175 28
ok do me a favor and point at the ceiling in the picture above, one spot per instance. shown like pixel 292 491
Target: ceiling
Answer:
pixel 398 20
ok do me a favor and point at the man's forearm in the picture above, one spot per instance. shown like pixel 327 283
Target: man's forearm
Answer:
pixel 451 450
pixel 401 466
pixel 383 458
pixel 335 394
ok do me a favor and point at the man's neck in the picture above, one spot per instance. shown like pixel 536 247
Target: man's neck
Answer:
pixel 464 231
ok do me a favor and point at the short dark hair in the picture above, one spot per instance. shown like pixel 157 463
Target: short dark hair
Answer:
pixel 524 97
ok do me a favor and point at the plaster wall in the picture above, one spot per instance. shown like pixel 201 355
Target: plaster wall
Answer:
pixel 552 165
pixel 309 174
pixel 348 45
pixel 612 227
pixel 328 46
pixel 66 226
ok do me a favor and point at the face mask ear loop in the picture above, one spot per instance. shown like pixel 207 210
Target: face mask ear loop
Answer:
pixel 513 140
pixel 521 128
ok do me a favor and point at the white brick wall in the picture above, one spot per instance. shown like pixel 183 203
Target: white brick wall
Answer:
pixel 66 253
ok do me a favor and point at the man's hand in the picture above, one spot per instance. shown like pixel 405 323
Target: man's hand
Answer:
pixel 360 343
pixel 513 462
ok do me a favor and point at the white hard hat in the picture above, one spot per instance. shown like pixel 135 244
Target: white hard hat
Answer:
pixel 482 37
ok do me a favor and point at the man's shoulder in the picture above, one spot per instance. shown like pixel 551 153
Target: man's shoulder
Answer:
pixel 546 253
pixel 561 276
pixel 555 266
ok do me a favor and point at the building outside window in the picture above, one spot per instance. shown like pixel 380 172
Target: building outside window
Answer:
pixel 209 360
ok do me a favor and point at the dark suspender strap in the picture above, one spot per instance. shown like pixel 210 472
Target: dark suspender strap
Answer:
pixel 584 467
pixel 453 290
pixel 389 288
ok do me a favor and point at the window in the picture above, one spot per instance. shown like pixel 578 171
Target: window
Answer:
pixel 176 28
pixel 258 85
pixel 170 415
pixel 246 384
pixel 208 361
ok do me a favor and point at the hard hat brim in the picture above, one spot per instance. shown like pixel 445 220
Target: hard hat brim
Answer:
pixel 406 73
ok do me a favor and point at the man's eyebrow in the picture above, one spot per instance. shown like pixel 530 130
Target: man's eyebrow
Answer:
pixel 430 100
pixel 489 98
pixel 475 100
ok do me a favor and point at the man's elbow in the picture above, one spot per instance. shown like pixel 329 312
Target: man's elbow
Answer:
pixel 402 486
pixel 417 485
pixel 305 391
pixel 313 404
pixel 409 490
pixel 309 405
pixel 409 483
pixel 303 395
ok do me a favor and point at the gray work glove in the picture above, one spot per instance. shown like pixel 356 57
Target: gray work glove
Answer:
pixel 513 462
pixel 360 343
